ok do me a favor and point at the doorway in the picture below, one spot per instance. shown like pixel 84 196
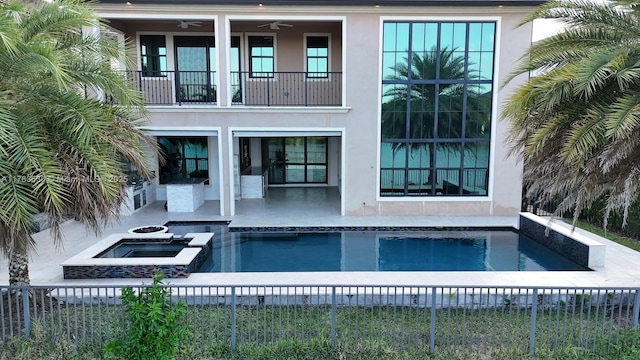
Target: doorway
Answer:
pixel 195 64
pixel 295 160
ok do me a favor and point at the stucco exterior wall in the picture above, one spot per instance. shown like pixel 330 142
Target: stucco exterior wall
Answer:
pixel 359 117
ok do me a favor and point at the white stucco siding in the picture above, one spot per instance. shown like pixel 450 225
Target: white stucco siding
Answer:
pixel 355 51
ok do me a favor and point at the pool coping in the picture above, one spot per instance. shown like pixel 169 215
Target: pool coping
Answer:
pixel 88 263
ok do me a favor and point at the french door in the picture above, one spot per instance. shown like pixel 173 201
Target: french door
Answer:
pixel 195 64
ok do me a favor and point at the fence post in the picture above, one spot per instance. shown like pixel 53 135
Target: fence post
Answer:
pixel 432 331
pixel 636 309
pixel 333 316
pixel 532 330
pixel 25 311
pixel 233 318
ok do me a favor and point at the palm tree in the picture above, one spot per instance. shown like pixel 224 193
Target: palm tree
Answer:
pixel 576 123
pixel 417 124
pixel 61 145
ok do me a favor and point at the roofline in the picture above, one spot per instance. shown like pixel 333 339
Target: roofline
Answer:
pixel 339 2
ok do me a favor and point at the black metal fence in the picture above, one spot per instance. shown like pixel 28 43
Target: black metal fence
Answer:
pixel 418 182
pixel 491 320
pixel 537 207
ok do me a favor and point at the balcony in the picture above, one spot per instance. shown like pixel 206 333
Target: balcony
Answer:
pixel 286 89
pixel 184 88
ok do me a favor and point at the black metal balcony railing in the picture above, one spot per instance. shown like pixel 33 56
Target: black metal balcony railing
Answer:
pixel 252 89
pixel 418 182
pixel 286 88
pixel 175 87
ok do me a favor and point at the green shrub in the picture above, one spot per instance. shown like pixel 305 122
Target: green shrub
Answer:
pixel 595 215
pixel 154 330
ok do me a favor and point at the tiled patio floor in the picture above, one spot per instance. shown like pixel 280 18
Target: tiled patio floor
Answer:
pixel 321 207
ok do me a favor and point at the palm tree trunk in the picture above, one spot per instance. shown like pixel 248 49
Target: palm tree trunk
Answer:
pixel 19 268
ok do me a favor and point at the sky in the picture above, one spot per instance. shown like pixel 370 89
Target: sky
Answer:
pixel 545 28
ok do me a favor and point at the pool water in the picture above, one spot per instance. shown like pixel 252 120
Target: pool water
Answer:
pixel 148 248
pixel 477 250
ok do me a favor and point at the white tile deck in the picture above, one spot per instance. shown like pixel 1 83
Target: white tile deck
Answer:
pixel 291 207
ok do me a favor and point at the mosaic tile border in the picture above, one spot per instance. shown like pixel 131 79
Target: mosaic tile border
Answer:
pixel 365 228
pixel 126 271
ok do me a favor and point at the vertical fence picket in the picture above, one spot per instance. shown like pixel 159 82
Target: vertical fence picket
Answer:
pixel 532 328
pixel 432 325
pixel 233 318
pixel 333 316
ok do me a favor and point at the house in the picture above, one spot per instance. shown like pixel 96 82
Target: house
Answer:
pixel 395 104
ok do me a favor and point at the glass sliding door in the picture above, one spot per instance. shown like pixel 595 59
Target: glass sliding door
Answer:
pixel 316 160
pixel 195 63
pixel 296 160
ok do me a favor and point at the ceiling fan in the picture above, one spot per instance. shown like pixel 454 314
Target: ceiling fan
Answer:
pixel 185 24
pixel 275 25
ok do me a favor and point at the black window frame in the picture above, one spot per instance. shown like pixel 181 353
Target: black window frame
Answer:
pixel 153 57
pixel 252 42
pixel 316 74
pixel 434 141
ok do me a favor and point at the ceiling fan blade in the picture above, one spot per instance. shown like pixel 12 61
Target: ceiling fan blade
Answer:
pixel 185 24
pixel 263 25
pixel 285 25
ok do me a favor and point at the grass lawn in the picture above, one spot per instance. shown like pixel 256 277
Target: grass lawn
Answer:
pixel 569 330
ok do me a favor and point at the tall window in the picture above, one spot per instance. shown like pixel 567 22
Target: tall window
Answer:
pixel 436 108
pixel 261 56
pixel 153 54
pixel 317 56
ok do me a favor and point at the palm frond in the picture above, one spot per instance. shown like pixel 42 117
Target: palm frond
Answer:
pixel 60 145
pixel 575 123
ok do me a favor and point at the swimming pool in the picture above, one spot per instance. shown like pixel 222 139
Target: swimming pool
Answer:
pixel 295 251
